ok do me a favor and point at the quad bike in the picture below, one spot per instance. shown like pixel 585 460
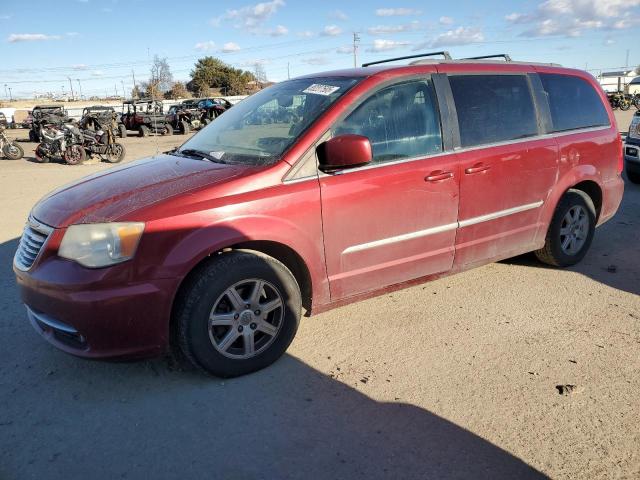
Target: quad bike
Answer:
pixel 10 149
pixel 63 142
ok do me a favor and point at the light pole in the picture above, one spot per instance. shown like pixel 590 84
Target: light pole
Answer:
pixel 80 87
pixel 10 96
pixel 5 90
pixel 71 86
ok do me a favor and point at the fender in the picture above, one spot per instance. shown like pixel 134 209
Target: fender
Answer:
pixel 199 242
pixel 566 180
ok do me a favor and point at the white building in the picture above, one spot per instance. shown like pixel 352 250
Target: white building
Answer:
pixel 620 81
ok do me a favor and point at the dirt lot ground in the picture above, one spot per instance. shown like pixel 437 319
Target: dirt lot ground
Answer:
pixel 452 379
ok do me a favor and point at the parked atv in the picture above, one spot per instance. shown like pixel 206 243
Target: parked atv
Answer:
pixel 184 117
pixel 105 116
pixel 212 108
pixel 43 116
pixel 10 149
pixel 64 142
pixel 145 117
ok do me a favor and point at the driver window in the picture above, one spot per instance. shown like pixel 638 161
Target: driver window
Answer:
pixel 400 121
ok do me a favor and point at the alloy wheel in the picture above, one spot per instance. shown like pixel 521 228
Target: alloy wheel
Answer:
pixel 574 230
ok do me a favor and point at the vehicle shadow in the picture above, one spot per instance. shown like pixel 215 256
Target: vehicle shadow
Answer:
pixel 613 257
pixel 62 417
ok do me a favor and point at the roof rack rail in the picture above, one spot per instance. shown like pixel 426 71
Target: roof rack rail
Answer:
pixel 506 57
pixel 444 53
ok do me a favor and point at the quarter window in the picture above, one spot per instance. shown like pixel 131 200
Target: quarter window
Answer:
pixel 573 103
pixel 493 108
pixel 400 121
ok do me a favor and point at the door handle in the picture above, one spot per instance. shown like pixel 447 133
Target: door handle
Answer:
pixel 438 175
pixel 477 168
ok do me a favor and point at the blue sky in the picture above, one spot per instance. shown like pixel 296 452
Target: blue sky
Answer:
pixel 100 42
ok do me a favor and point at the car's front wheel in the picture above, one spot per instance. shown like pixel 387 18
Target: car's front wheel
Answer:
pixel 238 313
pixel 571 230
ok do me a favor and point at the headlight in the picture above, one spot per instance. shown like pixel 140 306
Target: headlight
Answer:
pixel 634 128
pixel 101 244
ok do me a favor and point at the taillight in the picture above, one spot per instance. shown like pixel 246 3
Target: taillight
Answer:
pixel 620 154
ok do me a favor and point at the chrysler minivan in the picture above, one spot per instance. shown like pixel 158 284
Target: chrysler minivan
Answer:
pixel 316 192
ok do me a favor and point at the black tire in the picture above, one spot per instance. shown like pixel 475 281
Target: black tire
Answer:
pixel 32 136
pixel 552 253
pixel 624 106
pixel 143 131
pixel 168 129
pixel 184 127
pixel 206 122
pixel 633 177
pixel 203 291
pixel 117 153
pixel 41 157
pixel 12 151
pixel 75 155
pixel 122 131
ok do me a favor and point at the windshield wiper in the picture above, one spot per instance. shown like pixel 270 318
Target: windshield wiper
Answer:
pixel 192 152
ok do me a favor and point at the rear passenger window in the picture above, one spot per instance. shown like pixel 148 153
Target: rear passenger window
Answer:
pixel 400 121
pixel 493 108
pixel 573 103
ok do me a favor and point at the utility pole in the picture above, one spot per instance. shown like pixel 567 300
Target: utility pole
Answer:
pixel 115 88
pixel 124 94
pixel 627 61
pixel 80 87
pixel 356 39
pixel 288 72
pixel 71 86
pixel 10 96
pixel 5 90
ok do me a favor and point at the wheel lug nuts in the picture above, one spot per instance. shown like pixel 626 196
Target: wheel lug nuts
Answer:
pixel 253 326
pixel 247 306
pixel 257 312
pixel 240 328
pixel 236 316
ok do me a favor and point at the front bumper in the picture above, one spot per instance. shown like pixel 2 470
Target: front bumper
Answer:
pixel 97 313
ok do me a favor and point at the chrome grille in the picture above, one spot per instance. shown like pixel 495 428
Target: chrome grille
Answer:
pixel 34 236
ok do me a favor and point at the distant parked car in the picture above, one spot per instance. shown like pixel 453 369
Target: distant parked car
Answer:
pixel 145 116
pixel 632 150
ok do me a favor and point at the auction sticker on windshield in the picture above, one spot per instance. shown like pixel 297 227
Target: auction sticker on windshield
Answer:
pixel 319 89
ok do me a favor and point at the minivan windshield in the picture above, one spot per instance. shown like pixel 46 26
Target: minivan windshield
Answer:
pixel 259 129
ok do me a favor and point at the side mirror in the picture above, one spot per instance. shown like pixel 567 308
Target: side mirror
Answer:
pixel 344 151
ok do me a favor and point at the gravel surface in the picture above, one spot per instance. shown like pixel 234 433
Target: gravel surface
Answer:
pixel 512 370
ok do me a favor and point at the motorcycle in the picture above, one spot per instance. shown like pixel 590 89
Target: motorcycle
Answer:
pixel 619 100
pixel 102 143
pixel 64 142
pixel 10 149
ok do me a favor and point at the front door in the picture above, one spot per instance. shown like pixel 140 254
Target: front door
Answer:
pixel 395 219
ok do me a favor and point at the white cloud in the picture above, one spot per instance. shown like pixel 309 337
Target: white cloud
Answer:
pixel 344 49
pixel 279 31
pixel 445 20
pixel 397 12
pixel 317 61
pixel 80 66
pixel 387 29
pixel 339 15
pixel 572 18
pixel 97 73
pixel 251 17
pixel 230 47
pixel 205 46
pixel 31 37
pixel 458 36
pixel 383 45
pixel 72 34
pixel 306 34
pixel 331 31
pixel 608 41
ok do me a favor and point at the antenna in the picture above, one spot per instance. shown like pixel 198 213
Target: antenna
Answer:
pixel 444 53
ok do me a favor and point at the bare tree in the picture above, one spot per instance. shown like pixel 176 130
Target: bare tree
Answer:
pixel 259 73
pixel 161 76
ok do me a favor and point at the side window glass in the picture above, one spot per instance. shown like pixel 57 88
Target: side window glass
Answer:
pixel 493 108
pixel 573 103
pixel 400 121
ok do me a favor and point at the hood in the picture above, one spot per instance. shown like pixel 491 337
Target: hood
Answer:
pixel 110 195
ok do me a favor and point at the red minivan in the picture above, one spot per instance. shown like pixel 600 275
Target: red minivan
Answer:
pixel 316 192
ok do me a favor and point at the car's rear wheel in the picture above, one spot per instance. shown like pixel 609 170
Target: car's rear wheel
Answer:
pixel 143 131
pixel 570 232
pixel 122 131
pixel 32 136
pixel 184 127
pixel 168 129
pixel 633 177
pixel 238 313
